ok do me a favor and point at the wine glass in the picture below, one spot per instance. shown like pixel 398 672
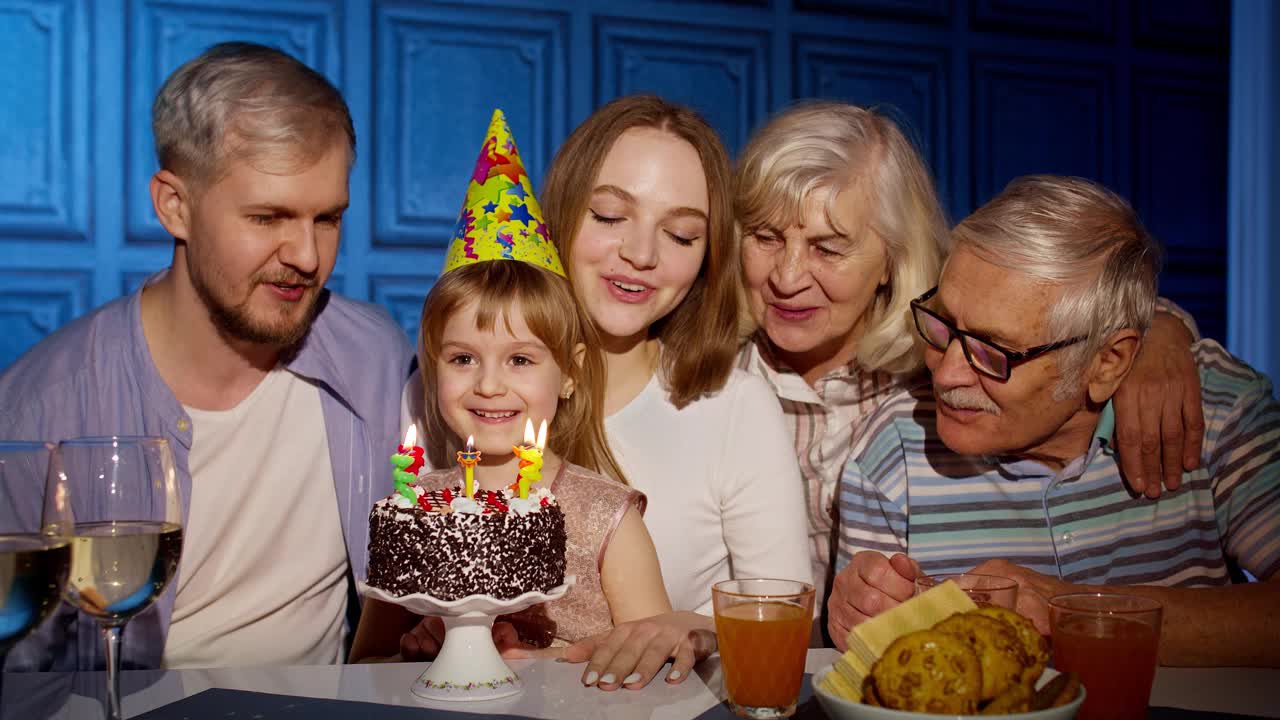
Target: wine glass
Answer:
pixel 35 539
pixel 128 534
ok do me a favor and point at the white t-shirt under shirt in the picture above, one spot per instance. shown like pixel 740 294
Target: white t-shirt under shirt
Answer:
pixel 262 580
pixel 723 485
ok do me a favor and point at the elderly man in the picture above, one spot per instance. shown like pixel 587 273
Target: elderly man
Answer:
pixel 278 397
pixel 1035 322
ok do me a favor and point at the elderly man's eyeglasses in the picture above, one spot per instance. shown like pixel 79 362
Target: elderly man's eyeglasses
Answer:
pixel 983 355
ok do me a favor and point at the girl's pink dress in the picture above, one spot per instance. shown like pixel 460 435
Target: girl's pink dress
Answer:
pixel 593 505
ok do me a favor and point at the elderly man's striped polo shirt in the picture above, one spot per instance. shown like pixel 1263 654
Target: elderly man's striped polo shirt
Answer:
pixel 902 490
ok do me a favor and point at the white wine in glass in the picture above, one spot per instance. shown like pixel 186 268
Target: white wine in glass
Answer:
pixel 33 571
pixel 120 568
pixel 35 543
pixel 128 534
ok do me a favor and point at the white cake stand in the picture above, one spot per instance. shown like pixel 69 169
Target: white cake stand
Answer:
pixel 468 666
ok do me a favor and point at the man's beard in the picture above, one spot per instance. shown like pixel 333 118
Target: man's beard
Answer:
pixel 237 321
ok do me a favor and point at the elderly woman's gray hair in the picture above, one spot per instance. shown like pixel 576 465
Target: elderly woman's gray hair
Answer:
pixel 1074 233
pixel 241 100
pixel 826 147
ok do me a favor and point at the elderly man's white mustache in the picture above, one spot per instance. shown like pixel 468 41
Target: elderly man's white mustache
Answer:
pixel 963 398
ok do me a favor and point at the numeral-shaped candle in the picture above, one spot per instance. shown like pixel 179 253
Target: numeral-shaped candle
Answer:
pixel 407 461
pixel 469 458
pixel 530 454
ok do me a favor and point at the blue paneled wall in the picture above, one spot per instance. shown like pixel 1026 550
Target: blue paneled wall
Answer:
pixel 1132 93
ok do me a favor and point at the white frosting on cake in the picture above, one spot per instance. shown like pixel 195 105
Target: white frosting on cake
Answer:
pixel 466 505
pixel 523 506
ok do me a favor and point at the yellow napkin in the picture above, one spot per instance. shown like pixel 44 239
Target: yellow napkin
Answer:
pixel 868 641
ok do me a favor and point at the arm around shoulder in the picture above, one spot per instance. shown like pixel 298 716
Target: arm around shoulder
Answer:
pixel 1159 420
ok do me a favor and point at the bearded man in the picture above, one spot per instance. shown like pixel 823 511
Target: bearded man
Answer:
pixel 277 397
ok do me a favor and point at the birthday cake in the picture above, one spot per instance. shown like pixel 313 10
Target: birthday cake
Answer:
pixel 449 546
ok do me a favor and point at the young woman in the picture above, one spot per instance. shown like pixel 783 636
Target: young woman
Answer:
pixel 639 203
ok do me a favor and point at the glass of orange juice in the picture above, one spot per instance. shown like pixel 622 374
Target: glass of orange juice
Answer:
pixel 763 627
pixel 1111 642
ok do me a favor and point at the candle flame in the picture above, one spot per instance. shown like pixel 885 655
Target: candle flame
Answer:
pixel 528 432
pixel 542 436
pixel 411 436
pixel 471 444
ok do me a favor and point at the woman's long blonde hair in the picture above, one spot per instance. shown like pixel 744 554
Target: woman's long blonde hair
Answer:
pixel 700 336
pixel 576 433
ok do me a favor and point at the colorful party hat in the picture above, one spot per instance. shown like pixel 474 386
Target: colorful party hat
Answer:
pixel 500 218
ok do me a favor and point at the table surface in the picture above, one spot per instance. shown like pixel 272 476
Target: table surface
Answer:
pixel 552 690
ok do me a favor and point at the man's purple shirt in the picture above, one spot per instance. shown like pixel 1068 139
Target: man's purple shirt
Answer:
pixel 95 376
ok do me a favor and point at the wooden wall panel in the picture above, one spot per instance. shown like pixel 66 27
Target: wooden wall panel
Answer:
pixel 1130 93
pixel 44 151
pixel 1038 117
pixel 442 73
pixel 919 10
pixel 37 301
pixel 910 84
pixel 1093 19
pixel 402 295
pixel 721 71
pixel 1182 195
pixel 1179 24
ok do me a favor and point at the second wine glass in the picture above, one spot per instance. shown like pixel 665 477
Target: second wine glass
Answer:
pixel 128 534
pixel 35 542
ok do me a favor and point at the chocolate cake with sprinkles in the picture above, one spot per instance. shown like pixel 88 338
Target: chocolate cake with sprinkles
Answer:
pixel 450 546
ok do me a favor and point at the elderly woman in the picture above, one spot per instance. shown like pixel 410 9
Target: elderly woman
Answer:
pixel 841 230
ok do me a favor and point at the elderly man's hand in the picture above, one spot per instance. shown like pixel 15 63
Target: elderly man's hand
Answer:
pixel 1034 589
pixel 871 584
pixel 1159 416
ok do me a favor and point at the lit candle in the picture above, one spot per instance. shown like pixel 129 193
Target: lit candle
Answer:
pixel 407 461
pixel 530 454
pixel 469 458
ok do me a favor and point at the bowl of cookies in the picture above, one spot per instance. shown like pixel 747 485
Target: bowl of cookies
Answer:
pixel 947 658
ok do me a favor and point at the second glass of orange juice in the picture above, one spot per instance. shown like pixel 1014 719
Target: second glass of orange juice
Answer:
pixel 1112 642
pixel 763 627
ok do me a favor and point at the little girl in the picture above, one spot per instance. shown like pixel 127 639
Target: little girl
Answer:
pixel 502 341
